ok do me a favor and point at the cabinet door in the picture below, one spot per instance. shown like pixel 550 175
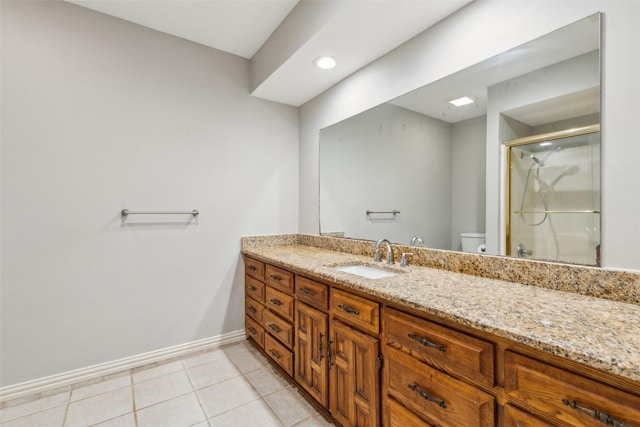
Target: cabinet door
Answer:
pixel 311 346
pixel 353 376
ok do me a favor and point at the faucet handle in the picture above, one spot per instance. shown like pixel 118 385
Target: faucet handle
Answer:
pixel 403 260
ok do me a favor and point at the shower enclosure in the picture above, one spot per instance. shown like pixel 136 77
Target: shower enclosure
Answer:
pixel 553 196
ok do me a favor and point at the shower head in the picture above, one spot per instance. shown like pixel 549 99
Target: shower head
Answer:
pixel 540 162
pixel 537 160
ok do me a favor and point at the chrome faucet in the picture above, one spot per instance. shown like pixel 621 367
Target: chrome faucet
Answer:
pixel 376 258
pixel 417 241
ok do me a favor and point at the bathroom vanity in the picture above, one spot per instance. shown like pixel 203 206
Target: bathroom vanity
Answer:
pixel 432 347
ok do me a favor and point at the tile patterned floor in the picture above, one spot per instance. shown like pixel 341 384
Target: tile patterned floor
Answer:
pixel 231 386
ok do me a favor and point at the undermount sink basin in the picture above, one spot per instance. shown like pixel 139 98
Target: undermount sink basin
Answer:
pixel 366 271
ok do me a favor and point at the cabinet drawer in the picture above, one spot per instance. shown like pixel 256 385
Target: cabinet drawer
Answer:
pixel 279 328
pixel 254 287
pixel 279 279
pixel 279 302
pixel 279 353
pixel 254 268
pixel 396 415
pixel 353 310
pixel 567 396
pixel 312 293
pixel 254 331
pixel 514 417
pixel 454 352
pixel 435 396
pixel 253 309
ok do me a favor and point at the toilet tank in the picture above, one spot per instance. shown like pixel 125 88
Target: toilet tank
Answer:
pixel 473 242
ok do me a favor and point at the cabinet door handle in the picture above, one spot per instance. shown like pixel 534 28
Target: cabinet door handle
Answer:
pixel 274 353
pixel 307 291
pixel 427 343
pixel 603 417
pixel 276 301
pixel 276 278
pixel 329 353
pixel 320 346
pixel 251 309
pixel 251 268
pixel 251 288
pixel 349 309
pixel 252 330
pixel 427 396
pixel 274 328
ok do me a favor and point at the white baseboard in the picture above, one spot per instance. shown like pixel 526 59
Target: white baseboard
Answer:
pixel 59 381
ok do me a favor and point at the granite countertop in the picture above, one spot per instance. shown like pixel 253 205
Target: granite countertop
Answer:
pixel 596 332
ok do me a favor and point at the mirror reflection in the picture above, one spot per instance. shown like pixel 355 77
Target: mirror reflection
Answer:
pixel 413 170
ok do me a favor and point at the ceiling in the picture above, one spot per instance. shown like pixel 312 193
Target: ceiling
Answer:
pixel 281 38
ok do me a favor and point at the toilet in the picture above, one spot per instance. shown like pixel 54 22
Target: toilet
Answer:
pixel 473 242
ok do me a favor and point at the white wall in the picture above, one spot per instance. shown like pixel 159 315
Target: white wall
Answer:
pixel 480 31
pixel 468 152
pixel 99 115
pixel 388 158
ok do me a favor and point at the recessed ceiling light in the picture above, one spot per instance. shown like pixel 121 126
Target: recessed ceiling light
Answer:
pixel 325 62
pixel 461 101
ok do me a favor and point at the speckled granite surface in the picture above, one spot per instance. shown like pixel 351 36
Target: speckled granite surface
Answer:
pixel 597 332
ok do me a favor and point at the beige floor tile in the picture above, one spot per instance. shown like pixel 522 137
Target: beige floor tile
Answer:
pixel 158 389
pixel 317 421
pixel 212 373
pixel 289 406
pixel 127 420
pixel 100 387
pixel 205 357
pixel 237 348
pixel 50 418
pixel 226 395
pixel 157 371
pixel 34 406
pixel 266 380
pixel 247 361
pixel 253 414
pixel 99 408
pixel 183 411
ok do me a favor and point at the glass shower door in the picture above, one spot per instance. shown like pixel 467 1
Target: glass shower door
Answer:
pixel 553 196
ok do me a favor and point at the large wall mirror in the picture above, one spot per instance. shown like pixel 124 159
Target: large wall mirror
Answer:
pixel 413 170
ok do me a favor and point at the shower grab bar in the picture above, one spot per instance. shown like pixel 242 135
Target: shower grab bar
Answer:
pixel 383 212
pixel 127 212
pixel 558 212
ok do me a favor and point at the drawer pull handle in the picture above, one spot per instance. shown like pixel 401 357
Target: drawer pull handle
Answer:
pixel 276 301
pixel 274 353
pixel 274 328
pixel 251 268
pixel 427 396
pixel 308 291
pixel 320 346
pixel 251 288
pixel 251 309
pixel 276 278
pixel 252 330
pixel 425 342
pixel 349 309
pixel 603 417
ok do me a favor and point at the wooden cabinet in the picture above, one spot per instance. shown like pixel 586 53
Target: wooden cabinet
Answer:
pixel 514 417
pixel 435 396
pixel 353 376
pixel 566 396
pixel 458 354
pixel 311 347
pixel 435 372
